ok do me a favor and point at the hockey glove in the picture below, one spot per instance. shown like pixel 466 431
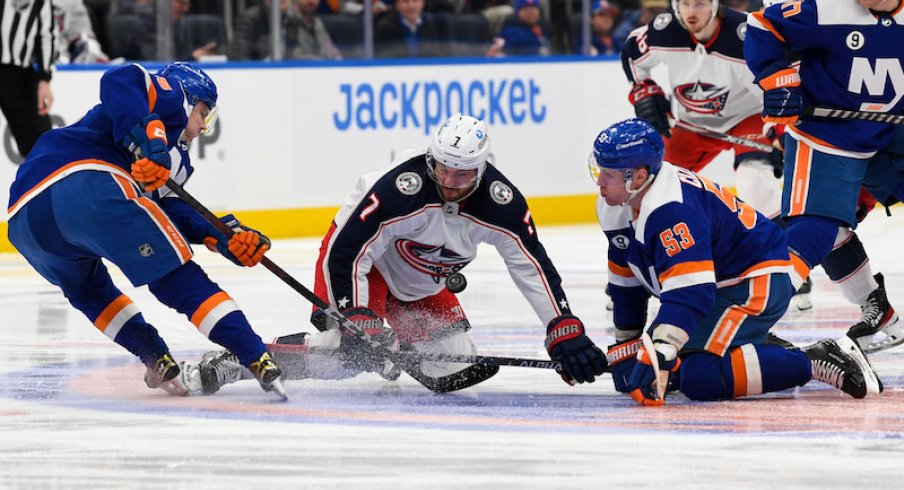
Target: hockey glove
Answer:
pixel 622 356
pixel 147 144
pixel 360 354
pixel 657 364
pixel 650 104
pixel 245 247
pixel 567 343
pixel 782 96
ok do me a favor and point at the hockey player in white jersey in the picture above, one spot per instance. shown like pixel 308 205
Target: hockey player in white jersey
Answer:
pixel 702 47
pixel 390 249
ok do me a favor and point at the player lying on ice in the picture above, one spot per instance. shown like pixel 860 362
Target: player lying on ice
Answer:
pixel 76 198
pixel 720 271
pixel 386 256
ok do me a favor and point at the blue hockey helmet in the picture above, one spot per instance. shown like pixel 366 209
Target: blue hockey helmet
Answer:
pixel 626 145
pixel 196 85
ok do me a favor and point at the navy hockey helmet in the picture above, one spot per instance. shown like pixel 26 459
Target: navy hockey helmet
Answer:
pixel 196 85
pixel 627 145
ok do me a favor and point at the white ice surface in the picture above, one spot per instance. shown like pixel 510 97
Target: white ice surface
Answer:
pixel 74 411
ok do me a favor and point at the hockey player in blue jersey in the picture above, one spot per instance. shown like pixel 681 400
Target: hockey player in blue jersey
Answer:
pixel 390 249
pixel 720 271
pixel 850 58
pixel 94 190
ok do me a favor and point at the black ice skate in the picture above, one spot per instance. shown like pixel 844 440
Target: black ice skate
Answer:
pixel 163 373
pixel 877 316
pixel 842 364
pixel 268 373
pixel 801 299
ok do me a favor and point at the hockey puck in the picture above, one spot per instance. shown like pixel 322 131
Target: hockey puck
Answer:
pixel 456 282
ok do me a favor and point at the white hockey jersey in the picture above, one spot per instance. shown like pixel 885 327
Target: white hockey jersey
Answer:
pixel 397 223
pixel 711 85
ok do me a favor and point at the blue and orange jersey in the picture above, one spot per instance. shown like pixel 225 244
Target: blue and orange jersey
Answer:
pixel 850 58
pixel 94 143
pixel 689 237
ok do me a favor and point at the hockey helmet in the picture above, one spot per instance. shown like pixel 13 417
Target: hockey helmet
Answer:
pixel 460 143
pixel 196 85
pixel 627 145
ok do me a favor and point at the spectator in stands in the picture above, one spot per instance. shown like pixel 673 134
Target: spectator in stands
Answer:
pixel 76 41
pixel 525 33
pixel 306 36
pixel 604 18
pixel 182 48
pixel 251 39
pixel 407 32
pixel 635 18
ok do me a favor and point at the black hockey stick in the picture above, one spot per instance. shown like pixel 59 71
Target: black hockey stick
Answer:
pixel 844 114
pixel 735 140
pixel 416 357
pixel 399 358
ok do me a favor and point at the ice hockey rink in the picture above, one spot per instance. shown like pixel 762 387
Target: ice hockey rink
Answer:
pixel 74 411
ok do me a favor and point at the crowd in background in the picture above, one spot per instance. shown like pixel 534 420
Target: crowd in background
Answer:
pixel 333 29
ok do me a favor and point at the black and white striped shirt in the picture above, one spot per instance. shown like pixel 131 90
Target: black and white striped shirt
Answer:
pixel 27 35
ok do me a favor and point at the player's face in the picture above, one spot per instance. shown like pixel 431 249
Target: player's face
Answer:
pixel 454 184
pixel 881 5
pixel 695 14
pixel 199 121
pixel 612 186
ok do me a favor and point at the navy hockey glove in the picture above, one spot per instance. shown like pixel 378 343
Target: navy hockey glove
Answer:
pixel 782 96
pixel 651 105
pixel 567 343
pixel 245 247
pixel 657 364
pixel 622 356
pixel 147 144
pixel 359 354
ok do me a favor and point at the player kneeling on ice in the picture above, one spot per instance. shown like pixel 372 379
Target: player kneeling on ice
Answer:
pixel 95 189
pixel 720 271
pixel 390 250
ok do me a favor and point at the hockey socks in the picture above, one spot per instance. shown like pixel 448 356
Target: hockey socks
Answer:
pixel 747 370
pixel 848 266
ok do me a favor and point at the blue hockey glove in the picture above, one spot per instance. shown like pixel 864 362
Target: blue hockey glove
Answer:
pixel 567 343
pixel 782 96
pixel 246 247
pixel 622 356
pixel 357 354
pixel 657 364
pixel 147 144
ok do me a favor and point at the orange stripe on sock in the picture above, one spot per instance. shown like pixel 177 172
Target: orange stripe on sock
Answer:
pixel 739 373
pixel 207 306
pixel 103 320
pixel 800 266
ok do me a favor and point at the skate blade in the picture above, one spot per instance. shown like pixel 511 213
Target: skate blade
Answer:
pixel 174 387
pixel 802 302
pixel 277 387
pixel 893 336
pixel 851 348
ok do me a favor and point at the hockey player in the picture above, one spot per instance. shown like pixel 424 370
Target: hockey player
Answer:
pixel 850 58
pixel 94 189
pixel 720 271
pixel 701 46
pixel 399 235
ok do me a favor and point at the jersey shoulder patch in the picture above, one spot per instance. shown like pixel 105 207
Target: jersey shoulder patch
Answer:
pixel 501 193
pixel 662 21
pixel 409 183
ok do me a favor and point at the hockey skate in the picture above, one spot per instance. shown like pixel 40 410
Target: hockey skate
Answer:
pixel 268 373
pixel 215 370
pixel 842 364
pixel 164 374
pixel 877 316
pixel 801 299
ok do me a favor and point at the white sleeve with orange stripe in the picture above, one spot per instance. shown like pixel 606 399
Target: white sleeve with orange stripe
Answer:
pixel 616 224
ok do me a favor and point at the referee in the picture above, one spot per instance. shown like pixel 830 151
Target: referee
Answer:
pixel 27 53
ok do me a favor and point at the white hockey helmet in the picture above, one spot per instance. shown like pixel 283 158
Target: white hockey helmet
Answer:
pixel 461 143
pixel 712 17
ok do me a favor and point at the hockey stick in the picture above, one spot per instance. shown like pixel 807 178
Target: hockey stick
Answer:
pixel 416 357
pixel 735 140
pixel 844 114
pixel 402 359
